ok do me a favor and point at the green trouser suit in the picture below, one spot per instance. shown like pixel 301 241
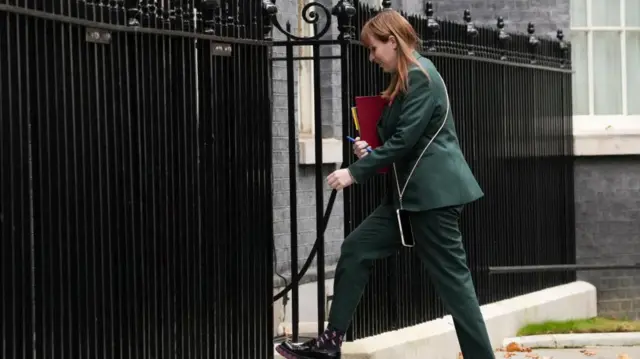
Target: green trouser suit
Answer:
pixel 435 194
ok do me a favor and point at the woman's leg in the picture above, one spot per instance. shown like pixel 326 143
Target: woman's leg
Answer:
pixel 439 246
pixel 376 237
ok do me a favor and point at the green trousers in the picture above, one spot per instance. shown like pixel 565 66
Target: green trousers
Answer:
pixel 438 243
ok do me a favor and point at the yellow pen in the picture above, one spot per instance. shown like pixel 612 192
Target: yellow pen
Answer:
pixel 354 113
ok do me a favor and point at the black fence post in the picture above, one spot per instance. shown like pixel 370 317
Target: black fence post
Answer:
pixel 344 12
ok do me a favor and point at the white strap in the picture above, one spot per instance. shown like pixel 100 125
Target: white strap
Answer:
pixel 400 193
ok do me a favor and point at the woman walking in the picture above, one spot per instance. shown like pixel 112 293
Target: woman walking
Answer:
pixel 430 183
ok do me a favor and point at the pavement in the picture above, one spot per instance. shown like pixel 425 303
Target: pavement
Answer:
pixel 576 346
pixel 559 341
pixel 572 346
pixel 591 353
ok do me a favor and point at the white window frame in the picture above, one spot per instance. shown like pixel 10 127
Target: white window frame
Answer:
pixel 331 147
pixel 606 134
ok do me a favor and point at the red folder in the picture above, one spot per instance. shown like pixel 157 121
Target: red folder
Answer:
pixel 369 110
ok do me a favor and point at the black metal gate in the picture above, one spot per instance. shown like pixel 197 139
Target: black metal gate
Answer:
pixel 320 39
pixel 136 180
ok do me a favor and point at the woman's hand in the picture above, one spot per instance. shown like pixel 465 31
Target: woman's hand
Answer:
pixel 340 179
pixel 360 148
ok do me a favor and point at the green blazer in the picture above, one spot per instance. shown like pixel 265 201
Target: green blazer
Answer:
pixel 443 177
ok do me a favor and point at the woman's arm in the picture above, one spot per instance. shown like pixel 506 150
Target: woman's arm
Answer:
pixel 417 109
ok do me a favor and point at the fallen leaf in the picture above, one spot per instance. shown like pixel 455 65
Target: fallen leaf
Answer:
pixel 515 347
pixel 509 354
pixel 588 353
pixel 623 356
pixel 532 356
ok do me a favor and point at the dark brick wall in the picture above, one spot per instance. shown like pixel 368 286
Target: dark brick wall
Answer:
pixel 608 230
pixel 547 15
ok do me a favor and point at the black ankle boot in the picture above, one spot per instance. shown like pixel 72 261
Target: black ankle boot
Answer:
pixel 327 346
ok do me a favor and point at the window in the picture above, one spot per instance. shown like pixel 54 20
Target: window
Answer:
pixel 605 35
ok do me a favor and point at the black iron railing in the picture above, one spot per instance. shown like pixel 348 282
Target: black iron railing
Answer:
pixel 136 206
pixel 511 101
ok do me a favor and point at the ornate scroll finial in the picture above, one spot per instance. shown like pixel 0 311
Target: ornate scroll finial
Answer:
pixel 344 11
pixel 533 41
pixel 309 15
pixel 432 26
pixel 503 37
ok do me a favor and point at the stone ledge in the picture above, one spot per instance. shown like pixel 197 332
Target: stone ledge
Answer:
pixel 606 144
pixel 606 135
pixel 437 339
pixel 577 340
pixel 331 150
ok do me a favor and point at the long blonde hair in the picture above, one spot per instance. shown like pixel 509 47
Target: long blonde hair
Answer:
pixel 389 23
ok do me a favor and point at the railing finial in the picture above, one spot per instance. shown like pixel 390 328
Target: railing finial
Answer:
pixel 428 9
pixel 503 37
pixel 533 41
pixel 210 16
pixel 432 26
pixel 564 47
pixel 269 11
pixel 472 31
pixel 133 14
pixel 344 11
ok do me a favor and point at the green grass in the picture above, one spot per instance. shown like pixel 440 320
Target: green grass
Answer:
pixel 592 325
